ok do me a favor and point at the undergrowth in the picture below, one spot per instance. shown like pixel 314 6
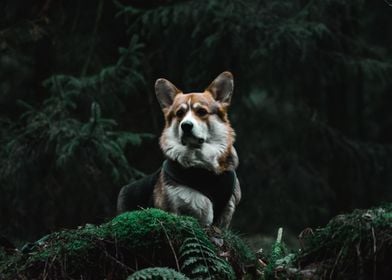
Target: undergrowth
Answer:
pixel 153 244
pixel 128 243
pixel 353 246
pixel 157 273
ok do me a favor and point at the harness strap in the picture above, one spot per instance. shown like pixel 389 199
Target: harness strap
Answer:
pixel 217 187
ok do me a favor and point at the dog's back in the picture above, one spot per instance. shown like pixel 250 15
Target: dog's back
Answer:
pixel 137 195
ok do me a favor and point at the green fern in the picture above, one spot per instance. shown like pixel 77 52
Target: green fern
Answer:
pixel 157 273
pixel 200 261
pixel 277 253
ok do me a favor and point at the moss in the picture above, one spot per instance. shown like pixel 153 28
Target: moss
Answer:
pixel 357 245
pixel 240 248
pixel 145 227
pixel 128 243
pixel 352 246
pixel 242 258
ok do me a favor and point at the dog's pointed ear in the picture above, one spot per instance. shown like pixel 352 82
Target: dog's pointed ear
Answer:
pixel 165 92
pixel 222 87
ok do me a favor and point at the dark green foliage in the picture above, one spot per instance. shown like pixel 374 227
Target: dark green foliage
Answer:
pixel 129 242
pixel 312 99
pixel 152 244
pixel 199 261
pixel 109 86
pixel 277 253
pixel 276 38
pixel 67 148
pixel 298 65
pixel 242 257
pixel 157 273
pixel 322 170
pixel 352 246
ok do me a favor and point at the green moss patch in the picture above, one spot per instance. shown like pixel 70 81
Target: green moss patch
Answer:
pixel 352 246
pixel 128 243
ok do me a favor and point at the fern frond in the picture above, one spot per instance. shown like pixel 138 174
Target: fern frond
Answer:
pixel 157 273
pixel 200 261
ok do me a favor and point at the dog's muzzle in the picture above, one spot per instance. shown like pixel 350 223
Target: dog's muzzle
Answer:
pixel 188 138
pixel 191 140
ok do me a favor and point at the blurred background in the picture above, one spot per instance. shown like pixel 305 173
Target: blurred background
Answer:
pixel 79 118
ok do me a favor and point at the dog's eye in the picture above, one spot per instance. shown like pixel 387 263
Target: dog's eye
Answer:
pixel 180 113
pixel 201 112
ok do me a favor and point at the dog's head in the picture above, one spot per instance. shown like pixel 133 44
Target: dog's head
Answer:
pixel 197 130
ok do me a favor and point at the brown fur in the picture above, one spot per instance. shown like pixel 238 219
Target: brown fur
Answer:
pixel 175 104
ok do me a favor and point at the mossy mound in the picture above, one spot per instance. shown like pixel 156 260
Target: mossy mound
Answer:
pixel 352 246
pixel 128 243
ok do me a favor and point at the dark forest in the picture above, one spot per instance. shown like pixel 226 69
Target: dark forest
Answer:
pixel 79 119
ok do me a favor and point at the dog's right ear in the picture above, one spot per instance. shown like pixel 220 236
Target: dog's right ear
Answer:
pixel 222 87
pixel 165 92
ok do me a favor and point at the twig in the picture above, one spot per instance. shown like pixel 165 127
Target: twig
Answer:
pixel 335 264
pixel 361 271
pixel 118 262
pixel 171 246
pixel 375 255
pixel 279 237
pixel 46 272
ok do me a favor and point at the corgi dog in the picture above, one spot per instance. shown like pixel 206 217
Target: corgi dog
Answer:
pixel 198 176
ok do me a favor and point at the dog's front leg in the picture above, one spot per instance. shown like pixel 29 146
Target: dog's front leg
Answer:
pixel 224 220
pixel 199 207
pixel 206 215
pixel 183 200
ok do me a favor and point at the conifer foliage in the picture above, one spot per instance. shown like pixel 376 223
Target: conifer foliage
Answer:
pixel 311 86
pixel 62 158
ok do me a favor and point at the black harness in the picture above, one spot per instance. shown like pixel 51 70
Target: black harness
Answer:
pixel 217 187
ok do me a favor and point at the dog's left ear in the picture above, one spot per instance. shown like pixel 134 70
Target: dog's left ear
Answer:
pixel 222 87
pixel 165 92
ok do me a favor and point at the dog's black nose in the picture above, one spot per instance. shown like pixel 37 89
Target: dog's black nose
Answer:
pixel 187 126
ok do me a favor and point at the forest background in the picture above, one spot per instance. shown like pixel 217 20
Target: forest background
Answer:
pixel 79 118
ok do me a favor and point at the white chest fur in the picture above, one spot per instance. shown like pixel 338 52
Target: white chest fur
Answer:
pixel 184 200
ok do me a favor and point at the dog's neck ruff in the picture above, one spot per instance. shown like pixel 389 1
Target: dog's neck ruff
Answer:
pixel 217 187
